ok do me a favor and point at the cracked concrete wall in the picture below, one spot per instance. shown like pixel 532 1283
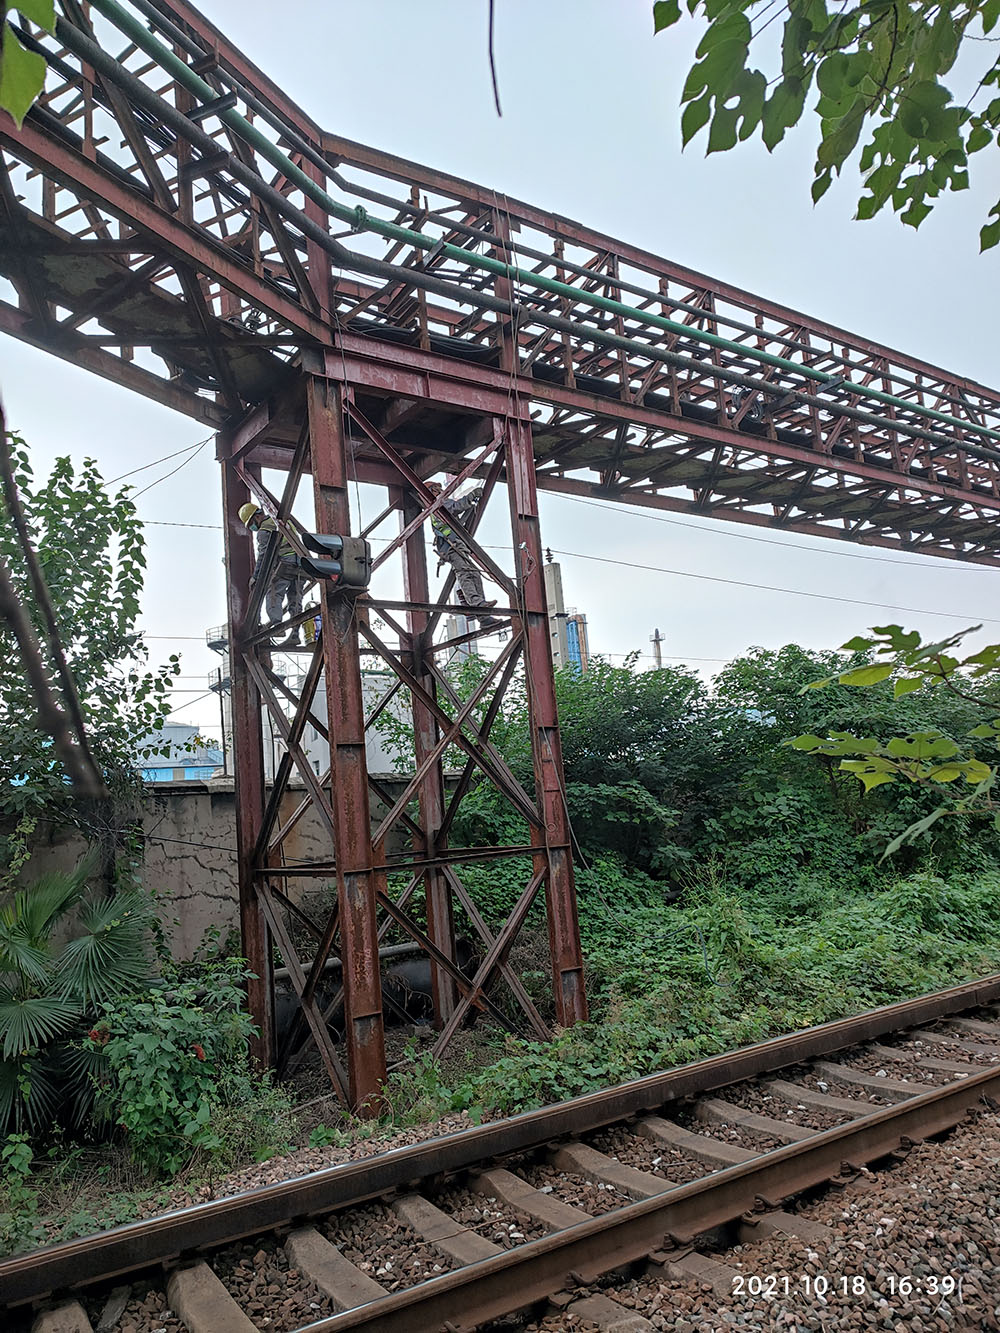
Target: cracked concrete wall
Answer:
pixel 190 861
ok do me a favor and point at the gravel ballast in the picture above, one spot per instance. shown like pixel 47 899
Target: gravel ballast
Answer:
pixel 386 1249
pixel 916 1250
pixel 272 1294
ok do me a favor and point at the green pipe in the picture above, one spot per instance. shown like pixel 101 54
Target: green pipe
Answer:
pixel 288 131
pixel 140 93
pixel 361 220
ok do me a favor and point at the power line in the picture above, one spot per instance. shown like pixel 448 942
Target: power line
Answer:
pixel 767 587
pixel 189 703
pixel 827 547
pixel 200 444
pixel 168 475
pixel 164 523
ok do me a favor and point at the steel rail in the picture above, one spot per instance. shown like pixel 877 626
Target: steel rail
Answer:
pixel 520 1277
pixel 137 1245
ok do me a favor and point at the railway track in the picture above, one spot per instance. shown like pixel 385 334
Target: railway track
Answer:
pixel 455 1232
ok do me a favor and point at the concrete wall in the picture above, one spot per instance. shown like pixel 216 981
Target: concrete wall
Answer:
pixel 191 854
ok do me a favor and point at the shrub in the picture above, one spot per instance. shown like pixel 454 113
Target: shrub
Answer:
pixel 50 992
pixel 175 1074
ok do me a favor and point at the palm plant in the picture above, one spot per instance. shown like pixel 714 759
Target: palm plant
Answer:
pixel 51 986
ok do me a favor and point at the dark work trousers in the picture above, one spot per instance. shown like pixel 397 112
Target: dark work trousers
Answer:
pixel 467 574
pixel 284 594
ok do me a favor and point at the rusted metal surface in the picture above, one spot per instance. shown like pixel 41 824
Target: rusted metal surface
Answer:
pixel 248 742
pixel 552 836
pixel 124 1249
pixel 349 775
pixel 158 227
pixel 519 1277
pixel 652 420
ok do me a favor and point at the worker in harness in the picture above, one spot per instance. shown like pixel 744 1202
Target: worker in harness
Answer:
pixel 452 550
pixel 284 592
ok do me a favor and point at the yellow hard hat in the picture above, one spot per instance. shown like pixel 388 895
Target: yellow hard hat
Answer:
pixel 248 510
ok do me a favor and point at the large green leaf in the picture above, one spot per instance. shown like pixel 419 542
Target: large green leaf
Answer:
pixel 36 909
pixel 22 75
pixel 866 675
pixel 28 1023
pixel 29 1094
pixel 110 956
pixel 42 12
pixel 665 13
pixel 22 961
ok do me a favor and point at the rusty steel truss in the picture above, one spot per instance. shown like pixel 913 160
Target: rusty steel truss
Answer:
pixel 170 220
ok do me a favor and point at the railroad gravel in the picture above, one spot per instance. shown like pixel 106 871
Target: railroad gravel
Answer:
pixel 147 1311
pixel 870 1062
pixel 931 1222
pixel 273 1295
pixel 581 1193
pixel 980 1038
pixel 754 1097
pixel 855 1093
pixel 676 1166
pixel 950 1050
pixel 490 1217
pixel 304 1160
pixel 751 1139
pixel 386 1249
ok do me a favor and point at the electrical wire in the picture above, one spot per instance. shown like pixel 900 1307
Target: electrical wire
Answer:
pixel 164 523
pixel 165 459
pixel 190 458
pixel 827 547
pixel 767 587
pixel 206 695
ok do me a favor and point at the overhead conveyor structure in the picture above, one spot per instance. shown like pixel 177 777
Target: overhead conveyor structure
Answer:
pixel 171 220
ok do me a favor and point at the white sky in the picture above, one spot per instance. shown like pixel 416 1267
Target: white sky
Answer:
pixel 590 129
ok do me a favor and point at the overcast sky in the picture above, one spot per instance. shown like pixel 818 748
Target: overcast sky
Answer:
pixel 590 129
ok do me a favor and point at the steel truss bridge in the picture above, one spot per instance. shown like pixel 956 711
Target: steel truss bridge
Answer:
pixel 172 221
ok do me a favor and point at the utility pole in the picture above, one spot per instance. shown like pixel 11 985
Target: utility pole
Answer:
pixel 656 638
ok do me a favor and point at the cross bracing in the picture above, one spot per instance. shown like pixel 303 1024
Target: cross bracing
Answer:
pixel 171 220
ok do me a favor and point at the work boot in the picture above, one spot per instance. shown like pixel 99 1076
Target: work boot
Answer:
pixel 489 622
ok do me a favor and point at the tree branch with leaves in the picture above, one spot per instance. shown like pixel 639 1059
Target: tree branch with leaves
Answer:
pixel 22 71
pixel 926 758
pixel 877 67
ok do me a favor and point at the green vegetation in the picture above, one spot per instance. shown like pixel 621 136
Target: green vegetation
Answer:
pixel 878 68
pixel 50 986
pixel 22 72
pixel 732 888
pixel 91 550
pixel 172 1071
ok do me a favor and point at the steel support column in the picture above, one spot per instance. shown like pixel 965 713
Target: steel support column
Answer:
pixel 440 913
pixel 552 840
pixel 349 773
pixel 248 770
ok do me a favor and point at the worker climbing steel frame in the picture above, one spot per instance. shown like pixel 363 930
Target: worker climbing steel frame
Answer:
pixel 170 220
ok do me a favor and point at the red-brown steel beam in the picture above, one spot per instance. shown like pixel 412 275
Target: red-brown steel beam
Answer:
pixel 76 349
pixel 552 840
pixel 248 770
pixel 440 914
pixel 187 244
pixel 356 886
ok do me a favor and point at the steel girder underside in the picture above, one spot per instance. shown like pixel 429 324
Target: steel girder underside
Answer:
pixel 336 312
